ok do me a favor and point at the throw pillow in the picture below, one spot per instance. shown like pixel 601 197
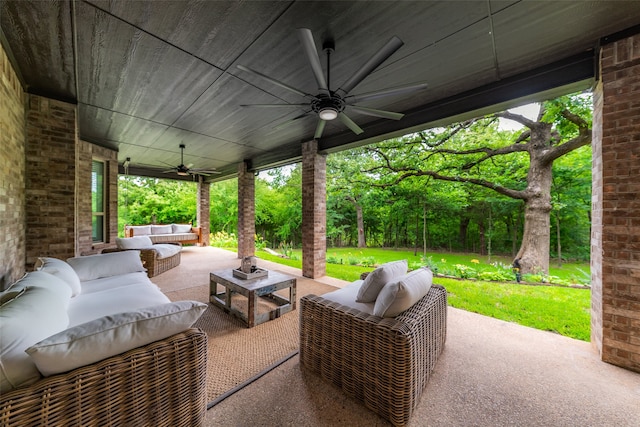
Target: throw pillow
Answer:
pixel 135 242
pixel 111 335
pixel 106 265
pixel 161 229
pixel 379 277
pixel 181 228
pixel 62 270
pixel 402 293
pixel 34 314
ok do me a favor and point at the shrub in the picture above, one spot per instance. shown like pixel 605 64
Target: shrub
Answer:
pixel 222 239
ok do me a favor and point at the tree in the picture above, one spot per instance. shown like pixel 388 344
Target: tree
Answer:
pixel 476 152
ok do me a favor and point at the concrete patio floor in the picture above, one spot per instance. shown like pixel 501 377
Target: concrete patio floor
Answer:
pixel 491 373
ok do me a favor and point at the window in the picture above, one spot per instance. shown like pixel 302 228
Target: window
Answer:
pixel 97 201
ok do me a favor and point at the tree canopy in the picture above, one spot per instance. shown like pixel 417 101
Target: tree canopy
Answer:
pixel 471 186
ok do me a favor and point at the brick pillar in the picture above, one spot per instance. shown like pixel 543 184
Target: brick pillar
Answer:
pixel 50 151
pixel 204 210
pixel 314 211
pixel 12 173
pixel 246 211
pixel 615 239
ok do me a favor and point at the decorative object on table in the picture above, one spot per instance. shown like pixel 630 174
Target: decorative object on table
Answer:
pixel 249 270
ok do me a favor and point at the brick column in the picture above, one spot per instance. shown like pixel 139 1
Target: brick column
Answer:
pixel 246 211
pixel 12 173
pixel 50 179
pixel 615 238
pixel 203 215
pixel 314 211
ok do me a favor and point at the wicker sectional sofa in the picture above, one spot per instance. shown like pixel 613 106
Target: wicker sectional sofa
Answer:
pixel 85 347
pixel 382 362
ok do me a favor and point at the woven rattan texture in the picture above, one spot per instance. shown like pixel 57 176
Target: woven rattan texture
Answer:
pixel 384 363
pixel 151 262
pixel 161 384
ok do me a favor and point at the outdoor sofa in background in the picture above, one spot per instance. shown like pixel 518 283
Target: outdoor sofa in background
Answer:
pixel 170 233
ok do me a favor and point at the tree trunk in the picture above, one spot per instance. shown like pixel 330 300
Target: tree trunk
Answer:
pixel 362 243
pixel 462 234
pixel 536 238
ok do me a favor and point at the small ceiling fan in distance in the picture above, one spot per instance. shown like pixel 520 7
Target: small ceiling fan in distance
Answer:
pixel 331 104
pixel 183 170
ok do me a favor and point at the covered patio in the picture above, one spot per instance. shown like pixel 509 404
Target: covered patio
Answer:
pixel 124 83
pixel 491 373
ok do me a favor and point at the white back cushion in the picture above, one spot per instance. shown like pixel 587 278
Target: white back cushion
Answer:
pixel 62 270
pixel 34 314
pixel 140 230
pixel 135 242
pixel 181 228
pixel 111 335
pixel 399 295
pixel 161 229
pixel 379 277
pixel 105 265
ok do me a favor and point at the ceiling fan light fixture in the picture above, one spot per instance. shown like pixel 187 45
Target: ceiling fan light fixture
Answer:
pixel 183 173
pixel 328 113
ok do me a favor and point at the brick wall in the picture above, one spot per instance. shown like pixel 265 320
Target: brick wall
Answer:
pixel 12 174
pixel 246 212
pixel 203 215
pixel 314 211
pixel 50 179
pixel 616 235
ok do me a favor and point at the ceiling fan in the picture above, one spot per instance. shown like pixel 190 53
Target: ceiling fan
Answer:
pixel 183 170
pixel 331 104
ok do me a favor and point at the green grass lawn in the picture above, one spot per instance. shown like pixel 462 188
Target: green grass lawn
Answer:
pixel 563 310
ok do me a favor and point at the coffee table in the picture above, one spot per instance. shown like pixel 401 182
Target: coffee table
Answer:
pixel 252 289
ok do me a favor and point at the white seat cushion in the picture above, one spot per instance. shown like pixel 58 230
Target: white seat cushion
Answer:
pixel 90 306
pixel 166 250
pixel 347 296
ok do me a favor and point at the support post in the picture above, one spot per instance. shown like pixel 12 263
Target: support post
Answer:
pixel 246 211
pixel 314 211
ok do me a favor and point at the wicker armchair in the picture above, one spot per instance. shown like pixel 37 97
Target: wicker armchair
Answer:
pixel 150 260
pixel 384 363
pixel 160 384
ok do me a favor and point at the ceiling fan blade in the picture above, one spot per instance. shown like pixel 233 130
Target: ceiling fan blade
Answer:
pixel 169 171
pixel 320 128
pixel 274 105
pixel 398 90
pixel 274 81
pixel 387 50
pixel 288 122
pixel 350 123
pixel 309 46
pixel 377 113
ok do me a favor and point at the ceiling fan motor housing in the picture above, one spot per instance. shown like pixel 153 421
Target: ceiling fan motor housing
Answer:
pixel 324 102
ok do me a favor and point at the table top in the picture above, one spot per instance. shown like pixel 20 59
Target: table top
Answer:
pixel 272 278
